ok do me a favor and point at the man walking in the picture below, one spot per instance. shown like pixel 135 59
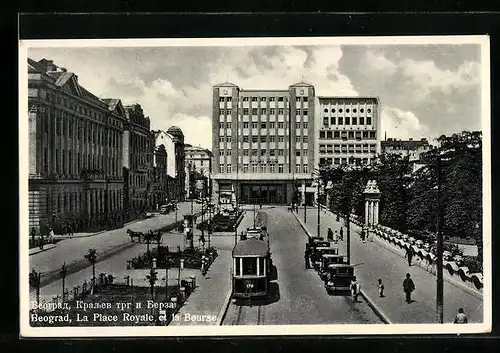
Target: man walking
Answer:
pixel 307 255
pixel 408 287
pixel 330 234
pixel 341 234
pixel 409 256
pixel 355 289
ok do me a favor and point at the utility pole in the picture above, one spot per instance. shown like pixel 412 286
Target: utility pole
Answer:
pixel 439 247
pixel 317 200
pixel 202 218
pixel 305 202
pixel 348 225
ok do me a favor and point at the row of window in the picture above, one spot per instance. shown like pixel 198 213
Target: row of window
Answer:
pixel 263 152
pixel 351 161
pixel 346 120
pixel 346 148
pixel 262 99
pixel 348 110
pixel 263 125
pixel 347 135
pixel 263 168
pixel 263 139
pixel 77 201
pixel 263 111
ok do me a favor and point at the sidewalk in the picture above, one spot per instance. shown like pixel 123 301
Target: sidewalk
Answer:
pixel 376 261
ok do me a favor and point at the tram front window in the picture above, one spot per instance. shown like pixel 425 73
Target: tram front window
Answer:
pixel 249 266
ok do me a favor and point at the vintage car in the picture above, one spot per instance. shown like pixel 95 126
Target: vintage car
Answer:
pixel 338 277
pixel 327 260
pixel 318 252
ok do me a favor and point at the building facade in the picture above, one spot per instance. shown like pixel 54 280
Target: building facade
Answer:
pixel 198 160
pixel 75 151
pixel 173 142
pixel 349 132
pixel 410 148
pixel 263 143
pixel 160 181
pixel 138 149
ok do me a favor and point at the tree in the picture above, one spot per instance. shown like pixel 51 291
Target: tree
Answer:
pixel 152 278
pixel 92 258
pixel 148 237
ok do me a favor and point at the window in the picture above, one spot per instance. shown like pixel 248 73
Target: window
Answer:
pixel 368 120
pixel 221 99
pixel 222 112
pixel 245 125
pixel 341 121
pixel 228 152
pixel 255 125
pixel 280 99
pixel 298 99
pixel 372 134
pixel 221 152
pixel 272 139
pixel 347 121
pixel 254 111
pixel 340 110
pixel 304 139
pixel 245 99
pixel 262 99
pixel 297 153
pixel 304 113
pixel 245 138
pixel 222 170
pixel 229 99
pixel 263 125
pixel 325 121
pixel 332 120
pixel 322 134
pixel 263 139
pixel 254 168
pixel 298 139
pixel 272 99
pixel 228 139
pixel 272 153
pixel 347 110
pixel 280 152
pixel 336 161
pixel 228 168
pixel 221 139
pixel 281 125
pixel 254 152
pixel 305 169
pixel 368 110
pixel 255 99
pixel 228 125
pixel 361 120
pixel 281 111
pixel 297 125
pixel 245 111
pixel 272 125
pixel 281 139
pixel 297 168
pixel 263 111
pixel 304 125
pixel 245 168
pixel 361 110
pixel 255 139
pixel 354 120
pixel 326 110
pixel 280 168
pixel 272 168
pixel 222 125
pixel 245 152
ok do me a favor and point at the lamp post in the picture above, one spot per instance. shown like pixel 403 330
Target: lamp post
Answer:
pixel 317 200
pixel 439 248
pixel 305 202
pixel 63 273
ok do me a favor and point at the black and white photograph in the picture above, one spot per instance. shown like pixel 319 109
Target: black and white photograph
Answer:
pixel 205 187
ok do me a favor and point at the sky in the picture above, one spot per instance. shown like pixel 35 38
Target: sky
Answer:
pixel 424 90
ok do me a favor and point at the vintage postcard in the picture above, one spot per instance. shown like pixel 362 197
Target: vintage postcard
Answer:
pixel 204 187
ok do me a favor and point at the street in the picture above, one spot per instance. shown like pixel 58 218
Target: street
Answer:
pixel 298 295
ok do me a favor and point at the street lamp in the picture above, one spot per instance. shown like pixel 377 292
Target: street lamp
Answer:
pixel 305 202
pixel 63 273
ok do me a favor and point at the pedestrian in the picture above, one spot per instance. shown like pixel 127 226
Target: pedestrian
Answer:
pixel 70 230
pixel 355 289
pixel 307 254
pixel 363 234
pixel 380 287
pixel 33 235
pixel 409 255
pixel 341 234
pixel 330 234
pixel 461 318
pixel 336 237
pixel 51 235
pixel 408 287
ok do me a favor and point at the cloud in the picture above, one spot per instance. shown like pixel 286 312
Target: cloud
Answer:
pixel 401 124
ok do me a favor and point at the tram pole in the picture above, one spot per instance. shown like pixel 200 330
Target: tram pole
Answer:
pixel 305 202
pixel 319 220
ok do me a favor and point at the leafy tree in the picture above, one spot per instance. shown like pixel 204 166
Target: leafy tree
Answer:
pixel 92 258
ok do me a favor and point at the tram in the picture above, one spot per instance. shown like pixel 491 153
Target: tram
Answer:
pixel 251 268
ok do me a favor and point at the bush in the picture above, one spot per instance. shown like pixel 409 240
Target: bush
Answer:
pixel 473 263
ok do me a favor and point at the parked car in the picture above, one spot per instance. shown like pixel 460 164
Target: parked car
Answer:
pixel 338 277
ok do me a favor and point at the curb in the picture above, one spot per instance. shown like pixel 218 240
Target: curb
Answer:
pixel 375 308
pixel 44 249
pixel 225 307
pixel 368 300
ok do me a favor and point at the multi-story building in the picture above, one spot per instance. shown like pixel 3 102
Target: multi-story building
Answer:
pixel 349 130
pixel 411 148
pixel 198 160
pixel 263 143
pixel 75 152
pixel 138 148
pixel 173 142
pixel 160 181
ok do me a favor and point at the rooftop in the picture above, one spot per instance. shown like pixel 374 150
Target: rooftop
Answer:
pixel 251 247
